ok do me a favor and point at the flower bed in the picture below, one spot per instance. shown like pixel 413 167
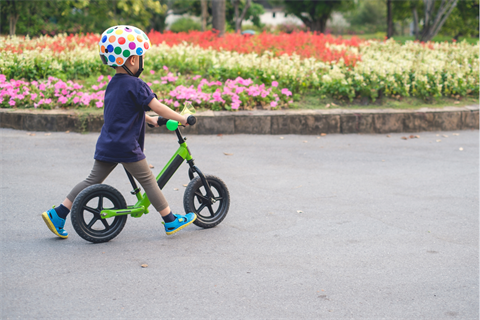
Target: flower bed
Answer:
pixel 351 69
pixel 233 94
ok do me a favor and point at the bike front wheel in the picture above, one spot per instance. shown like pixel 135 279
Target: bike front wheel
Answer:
pixel 85 213
pixel 210 211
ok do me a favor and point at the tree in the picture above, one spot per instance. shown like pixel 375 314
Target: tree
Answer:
pixel 56 16
pixel 368 16
pixel 313 13
pixel 218 16
pixel 204 14
pixel 239 18
pixel 463 21
pixel 251 12
pixel 435 15
pixel 12 9
pixel 389 19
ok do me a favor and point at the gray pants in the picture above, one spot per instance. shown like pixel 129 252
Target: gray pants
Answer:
pixel 139 170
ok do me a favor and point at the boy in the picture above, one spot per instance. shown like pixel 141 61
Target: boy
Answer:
pixel 123 133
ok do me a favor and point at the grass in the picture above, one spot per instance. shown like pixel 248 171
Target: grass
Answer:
pixel 312 101
pixel 403 39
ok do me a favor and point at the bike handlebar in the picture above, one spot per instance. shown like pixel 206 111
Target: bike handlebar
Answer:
pixel 172 125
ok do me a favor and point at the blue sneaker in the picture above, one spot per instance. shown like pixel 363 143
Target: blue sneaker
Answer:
pixel 55 223
pixel 179 223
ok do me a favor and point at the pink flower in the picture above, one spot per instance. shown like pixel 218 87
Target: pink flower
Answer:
pixel 149 84
pixel 239 90
pixel 109 78
pixel 176 104
pixel 273 104
pixel 2 78
pixel 244 82
pixel 165 68
pixel 76 100
pixel 152 72
pixel 156 82
pixel 95 87
pixel 99 104
pixel 100 79
pixel 48 101
pixel 62 100
pixel 286 92
pixel 11 102
pixel 274 84
pixel 196 77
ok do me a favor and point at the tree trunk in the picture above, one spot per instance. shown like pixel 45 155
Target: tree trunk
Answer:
pixel 236 3
pixel 239 20
pixel 433 22
pixel 13 23
pixel 415 23
pixel 389 19
pixel 218 16
pixel 204 14
pixel 317 25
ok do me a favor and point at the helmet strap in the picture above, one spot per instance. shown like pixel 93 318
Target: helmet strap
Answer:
pixel 128 70
pixel 140 68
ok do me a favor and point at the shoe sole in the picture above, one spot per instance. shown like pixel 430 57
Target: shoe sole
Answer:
pixel 180 228
pixel 50 225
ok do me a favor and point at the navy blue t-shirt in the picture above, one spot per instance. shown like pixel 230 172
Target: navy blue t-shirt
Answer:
pixel 123 132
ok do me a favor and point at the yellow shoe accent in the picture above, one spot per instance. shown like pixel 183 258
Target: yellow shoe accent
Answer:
pixel 180 228
pixel 51 226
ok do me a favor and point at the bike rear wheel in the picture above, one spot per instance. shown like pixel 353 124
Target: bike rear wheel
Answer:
pixel 85 213
pixel 210 211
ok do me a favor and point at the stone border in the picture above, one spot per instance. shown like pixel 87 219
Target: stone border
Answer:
pixel 310 122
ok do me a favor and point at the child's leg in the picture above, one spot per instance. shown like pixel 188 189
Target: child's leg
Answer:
pixel 55 217
pixel 99 173
pixel 173 223
pixel 142 172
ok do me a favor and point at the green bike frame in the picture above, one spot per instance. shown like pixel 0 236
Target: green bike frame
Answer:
pixel 141 207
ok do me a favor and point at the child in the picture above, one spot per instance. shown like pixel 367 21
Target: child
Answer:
pixel 123 133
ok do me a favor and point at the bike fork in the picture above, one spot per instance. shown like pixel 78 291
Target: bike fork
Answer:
pixel 194 169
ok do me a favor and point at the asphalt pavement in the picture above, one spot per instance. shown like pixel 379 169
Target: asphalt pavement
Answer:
pixel 320 227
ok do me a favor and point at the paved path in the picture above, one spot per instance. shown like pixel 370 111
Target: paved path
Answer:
pixel 341 226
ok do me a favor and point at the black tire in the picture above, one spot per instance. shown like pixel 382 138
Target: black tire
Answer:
pixel 86 219
pixel 195 200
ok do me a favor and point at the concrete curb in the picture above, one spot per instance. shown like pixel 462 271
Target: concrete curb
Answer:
pixel 311 122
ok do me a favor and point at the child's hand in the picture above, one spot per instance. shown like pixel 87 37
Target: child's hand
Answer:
pixel 151 120
pixel 185 122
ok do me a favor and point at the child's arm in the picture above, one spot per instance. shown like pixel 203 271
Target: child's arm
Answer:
pixel 164 111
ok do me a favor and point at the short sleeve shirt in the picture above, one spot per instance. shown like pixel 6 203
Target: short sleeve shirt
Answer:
pixel 123 132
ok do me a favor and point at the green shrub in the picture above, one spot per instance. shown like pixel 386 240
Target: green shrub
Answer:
pixel 185 24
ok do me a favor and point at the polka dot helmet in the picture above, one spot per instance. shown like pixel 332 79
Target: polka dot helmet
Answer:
pixel 120 42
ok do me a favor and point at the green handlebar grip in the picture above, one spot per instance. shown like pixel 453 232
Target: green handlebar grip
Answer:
pixel 172 125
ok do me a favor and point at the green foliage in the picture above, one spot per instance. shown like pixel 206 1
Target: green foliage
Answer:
pixel 73 16
pixel 185 24
pixel 314 14
pixel 463 21
pixel 368 17
pixel 253 13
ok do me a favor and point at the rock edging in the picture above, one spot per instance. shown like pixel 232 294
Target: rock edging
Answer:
pixel 309 122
